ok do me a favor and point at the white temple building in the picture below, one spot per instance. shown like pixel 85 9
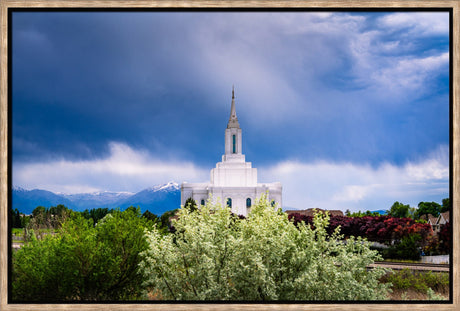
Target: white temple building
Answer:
pixel 233 181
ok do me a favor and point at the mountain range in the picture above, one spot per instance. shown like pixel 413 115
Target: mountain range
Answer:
pixel 157 199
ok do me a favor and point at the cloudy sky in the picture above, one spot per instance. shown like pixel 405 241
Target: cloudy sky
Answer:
pixel 349 110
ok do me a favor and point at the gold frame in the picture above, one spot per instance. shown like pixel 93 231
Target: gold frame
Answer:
pixel 5 4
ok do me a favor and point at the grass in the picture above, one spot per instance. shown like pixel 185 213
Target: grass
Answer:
pixel 401 260
pixel 411 294
pixel 415 285
pixel 18 234
pixel 17 231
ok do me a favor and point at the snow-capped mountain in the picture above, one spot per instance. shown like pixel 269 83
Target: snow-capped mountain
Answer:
pixel 157 199
pixel 170 186
pixel 88 200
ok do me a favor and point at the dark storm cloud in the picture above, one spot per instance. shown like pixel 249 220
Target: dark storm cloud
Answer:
pixel 86 79
pixel 161 81
pixel 353 106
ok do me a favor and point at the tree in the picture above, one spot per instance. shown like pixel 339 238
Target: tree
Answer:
pixel 25 220
pixel 425 208
pixel 39 210
pixel 215 255
pixel 43 270
pixel 83 262
pixel 48 218
pixel 16 219
pixel 96 214
pixel 361 214
pixel 190 204
pixel 399 210
pixel 369 213
pixel 407 248
pixel 39 218
pixel 412 213
pixel 151 216
pixel 165 224
pixel 383 229
pixel 445 205
pixel 57 215
pixel 444 238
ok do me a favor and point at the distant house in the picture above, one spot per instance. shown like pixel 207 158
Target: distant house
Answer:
pixel 436 222
pixel 443 218
pixel 310 212
pixel 433 222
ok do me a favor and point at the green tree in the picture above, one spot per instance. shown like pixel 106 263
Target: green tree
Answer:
pixel 96 214
pixel 412 213
pixel 407 248
pixel 425 208
pixel 48 218
pixel 83 262
pixel 39 210
pixel 58 215
pixel 399 210
pixel 445 205
pixel 362 214
pixel 39 218
pixel 190 204
pixel 25 220
pixel 151 216
pixel 165 224
pixel 214 255
pixel 16 219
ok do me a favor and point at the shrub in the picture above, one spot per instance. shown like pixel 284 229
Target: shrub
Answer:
pixel 408 248
pixel 83 262
pixel 419 281
pixel 444 237
pixel 383 229
pixel 214 255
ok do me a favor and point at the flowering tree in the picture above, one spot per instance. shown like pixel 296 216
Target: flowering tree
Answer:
pixel 214 255
pixel 384 229
pixel 444 235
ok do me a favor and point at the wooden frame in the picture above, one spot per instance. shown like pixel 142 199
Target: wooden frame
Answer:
pixel 5 4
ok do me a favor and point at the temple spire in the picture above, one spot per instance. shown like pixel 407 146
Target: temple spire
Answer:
pixel 233 121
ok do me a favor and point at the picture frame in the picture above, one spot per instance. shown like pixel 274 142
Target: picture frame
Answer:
pixel 5 167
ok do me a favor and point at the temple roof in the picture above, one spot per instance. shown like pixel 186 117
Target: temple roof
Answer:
pixel 233 120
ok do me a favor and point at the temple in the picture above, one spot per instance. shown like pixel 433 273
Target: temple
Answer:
pixel 233 181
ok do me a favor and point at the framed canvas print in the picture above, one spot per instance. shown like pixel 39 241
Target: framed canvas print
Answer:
pixel 220 155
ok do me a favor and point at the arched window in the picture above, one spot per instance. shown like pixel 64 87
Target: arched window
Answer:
pixel 273 203
pixel 202 201
pixel 248 202
pixel 234 144
pixel 229 202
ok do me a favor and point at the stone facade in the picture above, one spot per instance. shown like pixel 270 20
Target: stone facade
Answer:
pixel 233 181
